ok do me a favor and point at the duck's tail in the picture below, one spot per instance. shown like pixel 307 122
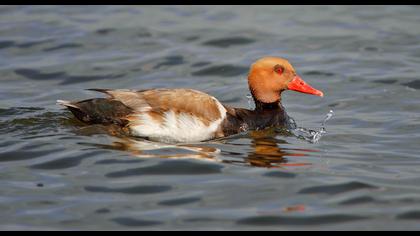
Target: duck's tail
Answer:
pixel 98 111
pixel 76 110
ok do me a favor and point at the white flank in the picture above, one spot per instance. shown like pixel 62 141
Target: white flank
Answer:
pixel 183 127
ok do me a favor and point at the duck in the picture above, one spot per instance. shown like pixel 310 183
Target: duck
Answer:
pixel 182 115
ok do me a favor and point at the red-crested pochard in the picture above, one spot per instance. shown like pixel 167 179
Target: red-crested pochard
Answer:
pixel 187 115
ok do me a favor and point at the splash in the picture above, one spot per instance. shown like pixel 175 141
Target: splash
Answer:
pixel 312 136
pixel 249 97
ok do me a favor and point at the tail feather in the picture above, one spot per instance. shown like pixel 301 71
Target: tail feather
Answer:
pixel 67 103
pixel 76 110
pixel 99 90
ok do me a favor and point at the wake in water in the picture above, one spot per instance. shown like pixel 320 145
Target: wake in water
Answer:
pixel 310 135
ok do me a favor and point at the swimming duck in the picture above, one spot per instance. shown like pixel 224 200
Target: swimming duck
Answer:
pixel 187 115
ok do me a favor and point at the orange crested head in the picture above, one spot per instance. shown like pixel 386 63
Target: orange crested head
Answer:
pixel 269 76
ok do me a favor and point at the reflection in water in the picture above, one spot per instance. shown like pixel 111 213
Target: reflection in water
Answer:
pixel 266 152
pixel 265 148
pixel 148 149
pixel 140 148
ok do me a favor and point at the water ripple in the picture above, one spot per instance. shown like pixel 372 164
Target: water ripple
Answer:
pixel 67 162
pixel 63 76
pixel 415 84
pixel 129 190
pixel 336 188
pixel 278 174
pixel 63 46
pixel 222 70
pixel 303 220
pixel 25 155
pixel 410 215
pixel 127 221
pixel 228 42
pixel 6 44
pixel 170 168
pixel 358 200
pixel 179 201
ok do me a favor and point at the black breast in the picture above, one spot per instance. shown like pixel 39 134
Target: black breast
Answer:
pixel 240 120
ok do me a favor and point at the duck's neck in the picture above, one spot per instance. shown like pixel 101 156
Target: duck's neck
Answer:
pixel 266 106
pixel 262 106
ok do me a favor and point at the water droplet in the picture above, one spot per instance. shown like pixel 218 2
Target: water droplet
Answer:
pixel 249 97
pixel 327 117
pixel 312 136
pixel 292 123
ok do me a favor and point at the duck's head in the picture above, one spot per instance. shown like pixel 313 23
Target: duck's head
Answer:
pixel 269 76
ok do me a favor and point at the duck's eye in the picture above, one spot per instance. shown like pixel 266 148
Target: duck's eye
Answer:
pixel 279 69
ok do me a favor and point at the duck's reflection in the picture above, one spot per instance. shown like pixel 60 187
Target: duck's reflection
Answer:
pixel 267 153
pixel 265 150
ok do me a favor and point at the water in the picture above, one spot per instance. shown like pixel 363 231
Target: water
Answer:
pixel 310 135
pixel 56 173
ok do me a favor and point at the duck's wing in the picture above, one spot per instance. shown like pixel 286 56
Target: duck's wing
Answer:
pixel 181 115
pixel 157 103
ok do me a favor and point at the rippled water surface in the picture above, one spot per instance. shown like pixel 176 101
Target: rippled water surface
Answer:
pixel 364 173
